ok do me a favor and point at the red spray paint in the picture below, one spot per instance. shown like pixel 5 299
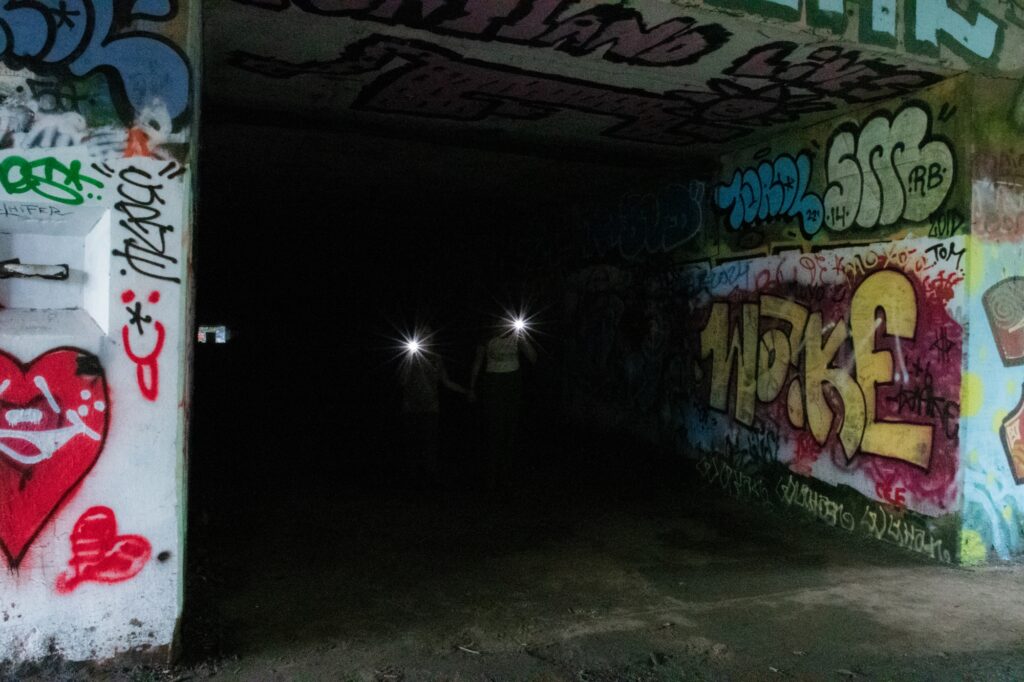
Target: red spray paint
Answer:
pixel 99 554
pixel 54 415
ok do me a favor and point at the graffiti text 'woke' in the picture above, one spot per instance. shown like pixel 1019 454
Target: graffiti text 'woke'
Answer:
pixel 801 340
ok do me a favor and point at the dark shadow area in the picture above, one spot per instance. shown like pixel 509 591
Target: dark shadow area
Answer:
pixel 303 529
pixel 318 251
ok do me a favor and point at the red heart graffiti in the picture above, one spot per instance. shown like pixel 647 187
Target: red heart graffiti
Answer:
pixel 99 554
pixel 54 414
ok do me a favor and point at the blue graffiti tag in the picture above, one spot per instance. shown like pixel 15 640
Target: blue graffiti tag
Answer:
pixel 82 37
pixel 657 221
pixel 772 191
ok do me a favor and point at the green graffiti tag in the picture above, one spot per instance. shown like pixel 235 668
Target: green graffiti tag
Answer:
pixel 47 177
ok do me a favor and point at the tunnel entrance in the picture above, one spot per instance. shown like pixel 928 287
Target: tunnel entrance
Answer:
pixel 312 546
pixel 322 254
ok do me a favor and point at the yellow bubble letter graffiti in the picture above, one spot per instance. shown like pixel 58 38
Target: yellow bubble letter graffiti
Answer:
pixel 893 294
pixel 818 371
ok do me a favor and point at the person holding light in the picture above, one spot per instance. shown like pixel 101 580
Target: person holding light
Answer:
pixel 496 373
pixel 421 375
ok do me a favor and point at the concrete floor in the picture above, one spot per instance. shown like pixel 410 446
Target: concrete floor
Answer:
pixel 639 576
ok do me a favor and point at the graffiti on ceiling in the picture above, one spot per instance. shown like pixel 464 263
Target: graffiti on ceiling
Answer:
pixel 645 72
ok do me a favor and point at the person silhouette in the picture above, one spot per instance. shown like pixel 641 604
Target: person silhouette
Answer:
pixel 420 377
pixel 496 373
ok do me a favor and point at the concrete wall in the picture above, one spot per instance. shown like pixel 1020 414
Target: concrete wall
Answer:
pixel 847 347
pixel 96 103
pixel 993 468
pixel 804 337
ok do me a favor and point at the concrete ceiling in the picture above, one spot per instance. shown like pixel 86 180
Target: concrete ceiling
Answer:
pixel 643 78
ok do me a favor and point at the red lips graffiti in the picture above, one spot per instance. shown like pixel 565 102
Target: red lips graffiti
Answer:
pixel 54 414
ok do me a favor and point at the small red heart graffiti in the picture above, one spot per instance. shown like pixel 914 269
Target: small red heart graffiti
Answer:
pixel 54 414
pixel 99 554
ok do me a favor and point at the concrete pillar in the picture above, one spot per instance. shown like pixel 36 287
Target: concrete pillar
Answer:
pixel 95 184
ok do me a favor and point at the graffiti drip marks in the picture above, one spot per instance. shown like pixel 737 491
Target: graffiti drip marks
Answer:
pixel 772 191
pixel 619 33
pixel 54 414
pixel 887 170
pixel 99 554
pixel 760 366
pixel 82 37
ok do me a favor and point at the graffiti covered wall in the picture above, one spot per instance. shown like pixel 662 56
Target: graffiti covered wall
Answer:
pixel 805 338
pixel 647 74
pixel 844 339
pixel 96 109
pixel 994 381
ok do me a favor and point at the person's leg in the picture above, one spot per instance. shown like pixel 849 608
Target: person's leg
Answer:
pixel 505 397
pixel 410 448
pixel 431 446
pixel 515 461
pixel 491 409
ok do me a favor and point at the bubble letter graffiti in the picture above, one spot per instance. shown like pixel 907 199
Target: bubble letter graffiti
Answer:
pixel 771 191
pixel 811 348
pixel 886 171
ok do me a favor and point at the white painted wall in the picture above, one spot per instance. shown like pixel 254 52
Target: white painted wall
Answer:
pixel 136 472
pixel 95 133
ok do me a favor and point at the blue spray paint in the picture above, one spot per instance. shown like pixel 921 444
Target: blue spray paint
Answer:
pixel 772 191
pixel 82 37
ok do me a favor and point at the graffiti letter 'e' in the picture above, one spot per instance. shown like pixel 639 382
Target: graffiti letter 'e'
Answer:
pixel 893 293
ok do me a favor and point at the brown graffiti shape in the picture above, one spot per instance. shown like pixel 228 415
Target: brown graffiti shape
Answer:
pixel 1004 307
pixel 1011 432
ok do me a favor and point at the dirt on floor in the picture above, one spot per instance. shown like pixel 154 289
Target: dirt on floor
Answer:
pixel 641 575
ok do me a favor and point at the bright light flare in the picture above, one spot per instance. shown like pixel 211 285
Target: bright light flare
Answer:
pixel 518 323
pixel 414 345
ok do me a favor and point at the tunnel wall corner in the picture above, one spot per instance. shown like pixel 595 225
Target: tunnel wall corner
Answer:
pixel 97 113
pixel 993 386
pixel 803 341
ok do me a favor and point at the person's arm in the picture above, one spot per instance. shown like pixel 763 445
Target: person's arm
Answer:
pixel 478 364
pixel 528 350
pixel 447 382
